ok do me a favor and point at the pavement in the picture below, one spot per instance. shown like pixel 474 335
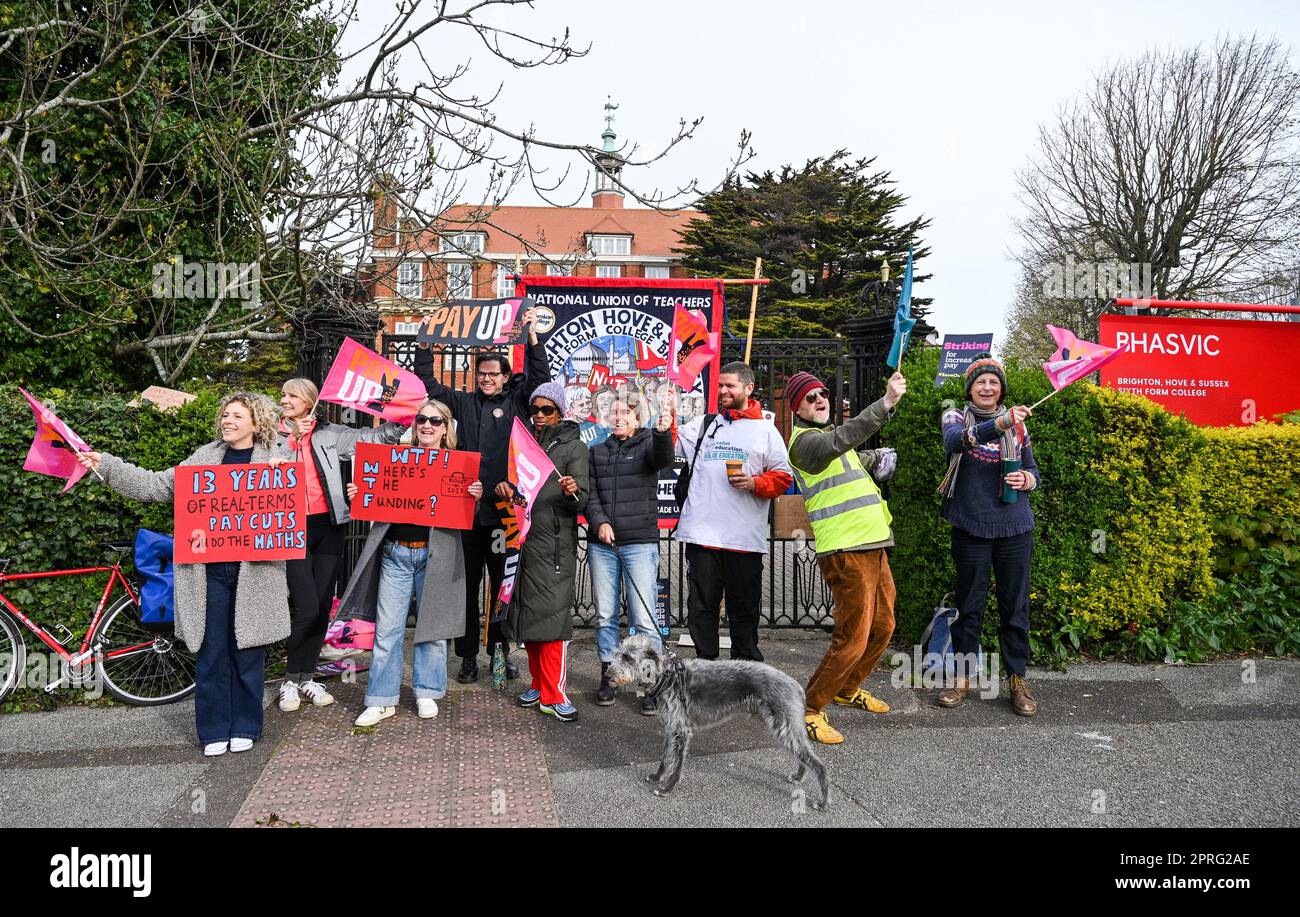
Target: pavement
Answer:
pixel 1113 745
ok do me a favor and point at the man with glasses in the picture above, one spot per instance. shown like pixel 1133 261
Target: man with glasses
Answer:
pixel 850 523
pixel 483 421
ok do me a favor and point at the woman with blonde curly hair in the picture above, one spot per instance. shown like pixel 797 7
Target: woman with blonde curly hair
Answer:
pixel 226 612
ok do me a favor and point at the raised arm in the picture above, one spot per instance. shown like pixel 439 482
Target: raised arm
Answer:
pixel 816 449
pixel 348 437
pixel 461 403
pixel 135 482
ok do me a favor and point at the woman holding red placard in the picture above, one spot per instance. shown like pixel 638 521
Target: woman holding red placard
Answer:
pixel 226 612
pixel 401 560
pixel 321 447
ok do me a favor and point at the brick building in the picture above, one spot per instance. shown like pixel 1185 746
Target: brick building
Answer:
pixel 465 256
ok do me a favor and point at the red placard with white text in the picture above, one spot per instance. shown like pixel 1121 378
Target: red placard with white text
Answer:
pixel 239 512
pixel 1218 371
pixel 415 485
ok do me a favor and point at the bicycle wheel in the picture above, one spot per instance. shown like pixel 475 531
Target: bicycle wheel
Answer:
pixel 138 665
pixel 13 654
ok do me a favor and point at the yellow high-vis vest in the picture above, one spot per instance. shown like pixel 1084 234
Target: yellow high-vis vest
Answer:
pixel 842 500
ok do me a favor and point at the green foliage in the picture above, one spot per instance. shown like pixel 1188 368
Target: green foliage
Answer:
pixel 1137 510
pixel 44 529
pixel 822 231
pixel 164 170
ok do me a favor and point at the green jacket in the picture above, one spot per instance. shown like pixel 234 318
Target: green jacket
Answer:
pixel 541 608
pixel 813 451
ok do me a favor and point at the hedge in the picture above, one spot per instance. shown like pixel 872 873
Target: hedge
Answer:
pixel 44 529
pixel 1137 508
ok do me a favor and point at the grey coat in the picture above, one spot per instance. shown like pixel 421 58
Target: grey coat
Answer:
pixel 331 442
pixel 262 596
pixel 441 611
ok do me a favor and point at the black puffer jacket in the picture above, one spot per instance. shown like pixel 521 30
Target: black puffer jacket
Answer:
pixel 625 486
pixel 478 428
pixel 541 608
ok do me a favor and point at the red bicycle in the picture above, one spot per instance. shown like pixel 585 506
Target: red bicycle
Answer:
pixel 138 663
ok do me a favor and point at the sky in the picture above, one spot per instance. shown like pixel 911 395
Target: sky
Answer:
pixel 948 96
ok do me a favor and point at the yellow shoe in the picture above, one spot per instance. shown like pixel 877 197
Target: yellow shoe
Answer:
pixel 819 730
pixel 863 701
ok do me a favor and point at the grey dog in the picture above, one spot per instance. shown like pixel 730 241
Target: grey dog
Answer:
pixel 696 693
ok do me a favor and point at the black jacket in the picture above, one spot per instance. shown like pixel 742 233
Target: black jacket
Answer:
pixel 478 428
pixel 541 608
pixel 625 486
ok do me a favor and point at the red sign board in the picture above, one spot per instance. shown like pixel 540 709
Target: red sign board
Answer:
pixel 239 512
pixel 414 484
pixel 1218 372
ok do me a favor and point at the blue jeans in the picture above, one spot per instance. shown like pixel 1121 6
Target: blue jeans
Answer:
pixel 638 564
pixel 401 576
pixel 228 680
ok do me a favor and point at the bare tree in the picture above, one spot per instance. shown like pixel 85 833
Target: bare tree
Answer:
pixel 275 140
pixel 1187 161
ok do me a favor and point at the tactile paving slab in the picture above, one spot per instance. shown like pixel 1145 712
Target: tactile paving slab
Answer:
pixel 479 763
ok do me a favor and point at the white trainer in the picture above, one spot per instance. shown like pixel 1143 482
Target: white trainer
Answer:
pixel 372 715
pixel 241 744
pixel 426 708
pixel 289 701
pixel 212 749
pixel 315 692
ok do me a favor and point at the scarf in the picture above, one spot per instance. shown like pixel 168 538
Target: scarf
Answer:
pixel 1009 444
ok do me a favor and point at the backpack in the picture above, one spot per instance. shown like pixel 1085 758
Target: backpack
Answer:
pixel 939 661
pixel 153 562
pixel 683 485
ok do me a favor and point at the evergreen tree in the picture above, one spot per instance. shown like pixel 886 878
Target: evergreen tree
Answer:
pixel 822 230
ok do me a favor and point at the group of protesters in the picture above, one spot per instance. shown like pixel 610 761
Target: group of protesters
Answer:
pixel 737 462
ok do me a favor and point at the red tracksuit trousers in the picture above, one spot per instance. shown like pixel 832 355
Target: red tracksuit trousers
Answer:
pixel 548 664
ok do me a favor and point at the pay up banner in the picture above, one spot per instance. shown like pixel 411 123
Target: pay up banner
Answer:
pixel 958 353
pixel 476 323
pixel 414 484
pixel 1217 371
pixel 606 334
pixel 239 512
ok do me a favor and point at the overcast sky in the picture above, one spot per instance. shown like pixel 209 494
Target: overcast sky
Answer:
pixel 948 96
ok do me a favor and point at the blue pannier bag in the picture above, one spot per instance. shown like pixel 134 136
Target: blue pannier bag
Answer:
pixel 153 561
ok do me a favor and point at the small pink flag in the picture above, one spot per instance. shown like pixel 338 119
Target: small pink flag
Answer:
pixel 1075 358
pixel 54 450
pixel 362 379
pixel 528 469
pixel 691 349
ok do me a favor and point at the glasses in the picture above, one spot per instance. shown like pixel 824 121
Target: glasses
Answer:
pixel 544 409
pixel 489 375
pixel 432 419
pixel 812 397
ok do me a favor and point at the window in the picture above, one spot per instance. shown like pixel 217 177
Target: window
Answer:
pixel 656 272
pixel 409 277
pixel 406 327
pixel 505 283
pixel 460 281
pixel 611 245
pixel 609 270
pixel 559 270
pixel 464 242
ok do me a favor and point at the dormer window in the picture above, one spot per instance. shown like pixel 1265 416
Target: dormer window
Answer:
pixel 611 245
pixel 463 243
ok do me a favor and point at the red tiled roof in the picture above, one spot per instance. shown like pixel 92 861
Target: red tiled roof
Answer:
pixel 557 230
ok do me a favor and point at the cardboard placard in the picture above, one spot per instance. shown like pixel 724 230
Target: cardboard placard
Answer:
pixel 239 512
pixel 414 485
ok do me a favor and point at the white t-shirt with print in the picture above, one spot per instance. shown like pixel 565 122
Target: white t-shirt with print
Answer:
pixel 716 514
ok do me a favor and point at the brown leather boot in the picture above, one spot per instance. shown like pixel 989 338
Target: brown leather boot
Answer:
pixel 1021 700
pixel 952 697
